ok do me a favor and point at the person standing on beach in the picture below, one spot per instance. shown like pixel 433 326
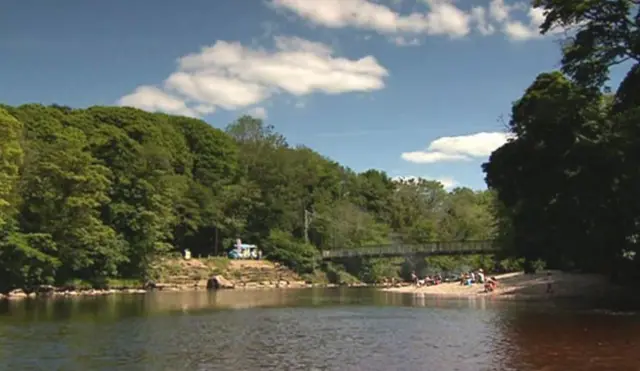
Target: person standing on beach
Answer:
pixel 480 276
pixel 549 288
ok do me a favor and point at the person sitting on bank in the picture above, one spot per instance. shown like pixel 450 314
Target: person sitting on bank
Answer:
pixel 491 284
pixel 464 277
pixel 437 279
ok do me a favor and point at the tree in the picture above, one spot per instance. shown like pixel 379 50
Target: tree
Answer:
pixel 553 170
pixel 606 34
pixel 575 149
pixel 11 155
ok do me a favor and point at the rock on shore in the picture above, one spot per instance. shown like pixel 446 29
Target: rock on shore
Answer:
pixel 219 282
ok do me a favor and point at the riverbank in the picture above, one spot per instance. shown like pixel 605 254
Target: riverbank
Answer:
pixel 521 286
pixel 177 274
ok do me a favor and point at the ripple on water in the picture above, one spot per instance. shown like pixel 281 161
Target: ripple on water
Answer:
pixel 343 334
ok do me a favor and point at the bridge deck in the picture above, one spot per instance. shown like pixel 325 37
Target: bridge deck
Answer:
pixel 435 248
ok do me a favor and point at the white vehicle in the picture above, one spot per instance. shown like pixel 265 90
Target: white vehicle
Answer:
pixel 244 251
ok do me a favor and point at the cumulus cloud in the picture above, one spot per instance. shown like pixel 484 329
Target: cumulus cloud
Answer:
pixel 519 30
pixel 230 75
pixel 442 17
pixel 479 17
pixel 151 98
pixel 458 148
pixel 447 182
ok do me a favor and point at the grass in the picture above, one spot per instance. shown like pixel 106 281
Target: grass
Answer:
pixel 318 277
pixel 123 283
pixel 111 283
pixel 169 267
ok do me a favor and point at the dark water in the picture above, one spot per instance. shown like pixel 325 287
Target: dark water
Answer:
pixel 339 329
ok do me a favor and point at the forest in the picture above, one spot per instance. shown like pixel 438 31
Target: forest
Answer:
pixel 101 192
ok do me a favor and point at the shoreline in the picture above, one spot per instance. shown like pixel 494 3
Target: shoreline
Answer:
pixel 521 287
pixel 50 292
pixel 511 286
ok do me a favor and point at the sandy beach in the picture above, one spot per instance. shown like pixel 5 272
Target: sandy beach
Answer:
pixel 520 286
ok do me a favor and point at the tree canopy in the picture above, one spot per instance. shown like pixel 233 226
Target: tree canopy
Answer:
pixel 567 179
pixel 99 193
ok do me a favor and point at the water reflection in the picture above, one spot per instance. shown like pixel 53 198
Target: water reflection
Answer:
pixel 309 329
pixel 572 341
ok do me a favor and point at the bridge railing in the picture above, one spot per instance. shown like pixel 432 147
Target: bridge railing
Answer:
pixel 449 247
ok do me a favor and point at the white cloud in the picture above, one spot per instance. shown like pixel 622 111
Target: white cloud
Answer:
pixel 459 148
pixel 443 17
pixel 519 30
pixel 258 112
pixel 230 75
pixel 150 98
pixel 479 17
pixel 499 11
pixel 447 182
pixel 225 92
pixel 422 157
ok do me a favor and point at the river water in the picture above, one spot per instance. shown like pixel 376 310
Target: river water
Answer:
pixel 311 329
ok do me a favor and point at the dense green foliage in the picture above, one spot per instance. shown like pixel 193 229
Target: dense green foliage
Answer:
pixel 568 179
pixel 99 193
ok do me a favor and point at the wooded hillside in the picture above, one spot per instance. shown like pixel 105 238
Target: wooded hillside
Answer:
pixel 99 193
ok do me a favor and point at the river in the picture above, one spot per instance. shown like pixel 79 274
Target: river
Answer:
pixel 311 329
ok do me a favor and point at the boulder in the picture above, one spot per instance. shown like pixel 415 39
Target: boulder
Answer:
pixel 218 282
pixel 45 290
pixel 17 294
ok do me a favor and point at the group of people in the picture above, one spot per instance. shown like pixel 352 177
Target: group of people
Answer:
pixel 427 280
pixel 469 278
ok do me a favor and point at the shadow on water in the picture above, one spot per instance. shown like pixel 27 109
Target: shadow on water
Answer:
pixel 311 329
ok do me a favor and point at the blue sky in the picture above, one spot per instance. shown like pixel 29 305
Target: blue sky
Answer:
pixel 412 87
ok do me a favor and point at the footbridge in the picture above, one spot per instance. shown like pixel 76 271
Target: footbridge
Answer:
pixel 427 249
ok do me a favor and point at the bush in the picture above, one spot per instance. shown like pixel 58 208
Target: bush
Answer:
pixel 511 265
pixel 26 260
pixel 538 265
pixel 377 270
pixel 299 256
pixel 338 275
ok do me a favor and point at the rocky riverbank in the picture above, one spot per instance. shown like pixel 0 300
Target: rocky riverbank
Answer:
pixel 190 275
pixel 54 292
